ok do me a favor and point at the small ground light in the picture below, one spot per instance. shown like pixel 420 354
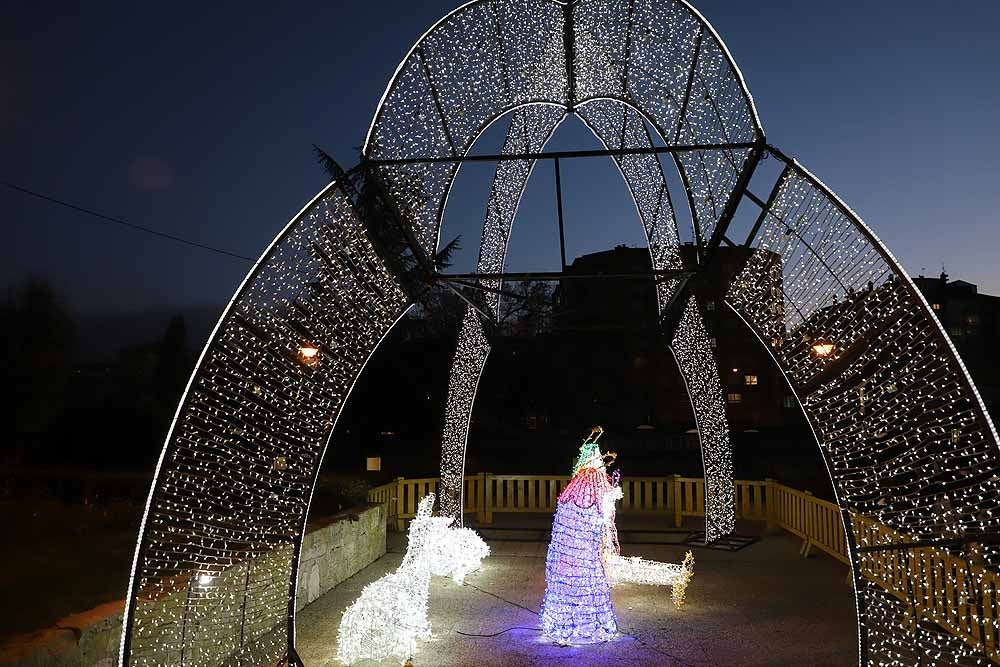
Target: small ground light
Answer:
pixel 823 348
pixel 204 579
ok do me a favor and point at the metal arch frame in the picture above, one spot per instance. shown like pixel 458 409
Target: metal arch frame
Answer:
pixel 461 148
pixel 447 17
pixel 740 296
pixel 959 382
pixel 142 543
pixel 705 397
pixel 335 188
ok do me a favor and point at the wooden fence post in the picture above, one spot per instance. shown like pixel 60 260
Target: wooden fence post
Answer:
pixel 807 525
pixel 487 497
pixel 770 504
pixel 481 498
pixel 677 501
pixel 397 503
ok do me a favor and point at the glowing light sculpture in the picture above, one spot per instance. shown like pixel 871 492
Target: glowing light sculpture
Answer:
pixel 617 126
pixel 693 353
pixel 577 606
pixel 893 410
pixel 391 613
pixel 638 570
pixel 584 559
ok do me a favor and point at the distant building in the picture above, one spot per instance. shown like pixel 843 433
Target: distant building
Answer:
pixel 972 321
pixel 756 394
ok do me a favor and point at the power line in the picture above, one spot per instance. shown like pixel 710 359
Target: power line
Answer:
pixel 125 223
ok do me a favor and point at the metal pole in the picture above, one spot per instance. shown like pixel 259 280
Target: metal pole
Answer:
pixel 562 235
pixel 552 155
pixel 559 275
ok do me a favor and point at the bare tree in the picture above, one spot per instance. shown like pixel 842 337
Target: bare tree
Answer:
pixel 527 311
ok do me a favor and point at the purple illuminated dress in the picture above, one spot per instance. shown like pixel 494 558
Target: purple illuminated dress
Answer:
pixel 577 605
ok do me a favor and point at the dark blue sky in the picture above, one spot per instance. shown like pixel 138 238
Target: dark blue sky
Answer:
pixel 198 120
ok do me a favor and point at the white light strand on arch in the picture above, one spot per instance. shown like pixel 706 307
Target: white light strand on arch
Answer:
pixel 900 424
pixel 466 369
pixel 693 352
pixel 488 58
pixel 530 128
pixel 217 553
pixel 905 438
pixel 616 126
pixel 390 615
pixel 620 127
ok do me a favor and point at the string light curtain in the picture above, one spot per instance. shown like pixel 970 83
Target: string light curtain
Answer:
pixel 488 58
pixel 529 130
pixel 216 561
pixel 902 430
pixel 901 427
pixel 617 126
pixel 693 352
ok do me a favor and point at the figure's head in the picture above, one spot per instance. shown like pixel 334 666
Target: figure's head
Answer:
pixel 443 550
pixel 455 552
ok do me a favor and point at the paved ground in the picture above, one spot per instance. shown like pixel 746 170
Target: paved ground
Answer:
pixel 763 605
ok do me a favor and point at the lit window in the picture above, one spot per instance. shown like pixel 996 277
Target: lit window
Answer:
pixel 936 306
pixel 373 463
pixel 710 305
pixel 957 332
pixel 789 401
pixel 532 422
pixel 734 397
pixel 750 380
pixel 713 342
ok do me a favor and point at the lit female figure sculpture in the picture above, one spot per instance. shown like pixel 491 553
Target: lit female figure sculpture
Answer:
pixel 577 605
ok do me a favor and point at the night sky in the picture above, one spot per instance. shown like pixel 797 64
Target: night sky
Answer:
pixel 198 121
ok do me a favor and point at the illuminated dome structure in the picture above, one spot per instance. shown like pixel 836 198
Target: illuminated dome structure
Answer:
pixel 908 444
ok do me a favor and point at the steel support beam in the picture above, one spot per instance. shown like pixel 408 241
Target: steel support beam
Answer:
pixel 559 208
pixel 561 275
pixel 552 155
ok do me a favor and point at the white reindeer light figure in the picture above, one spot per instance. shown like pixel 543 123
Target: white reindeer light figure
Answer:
pixel 391 613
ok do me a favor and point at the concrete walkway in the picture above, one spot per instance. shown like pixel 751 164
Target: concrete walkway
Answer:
pixel 763 605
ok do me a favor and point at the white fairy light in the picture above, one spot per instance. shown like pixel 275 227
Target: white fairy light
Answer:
pixel 617 126
pixel 901 428
pixel 637 570
pixel 896 415
pixel 231 494
pixel 390 615
pixel 693 351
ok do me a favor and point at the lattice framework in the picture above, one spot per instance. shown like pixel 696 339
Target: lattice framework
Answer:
pixel 901 427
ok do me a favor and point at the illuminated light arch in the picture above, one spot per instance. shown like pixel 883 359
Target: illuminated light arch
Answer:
pixel 615 125
pixel 906 439
pixel 486 59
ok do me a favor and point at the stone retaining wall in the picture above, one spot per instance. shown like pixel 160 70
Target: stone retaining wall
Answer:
pixel 331 553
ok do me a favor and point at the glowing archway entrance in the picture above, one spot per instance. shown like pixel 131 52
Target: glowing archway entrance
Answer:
pixel 901 427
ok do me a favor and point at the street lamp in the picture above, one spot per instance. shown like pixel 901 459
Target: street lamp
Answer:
pixel 823 348
pixel 308 353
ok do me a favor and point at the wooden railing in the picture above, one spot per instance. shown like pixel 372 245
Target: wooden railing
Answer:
pixel 486 494
pixel 953 592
